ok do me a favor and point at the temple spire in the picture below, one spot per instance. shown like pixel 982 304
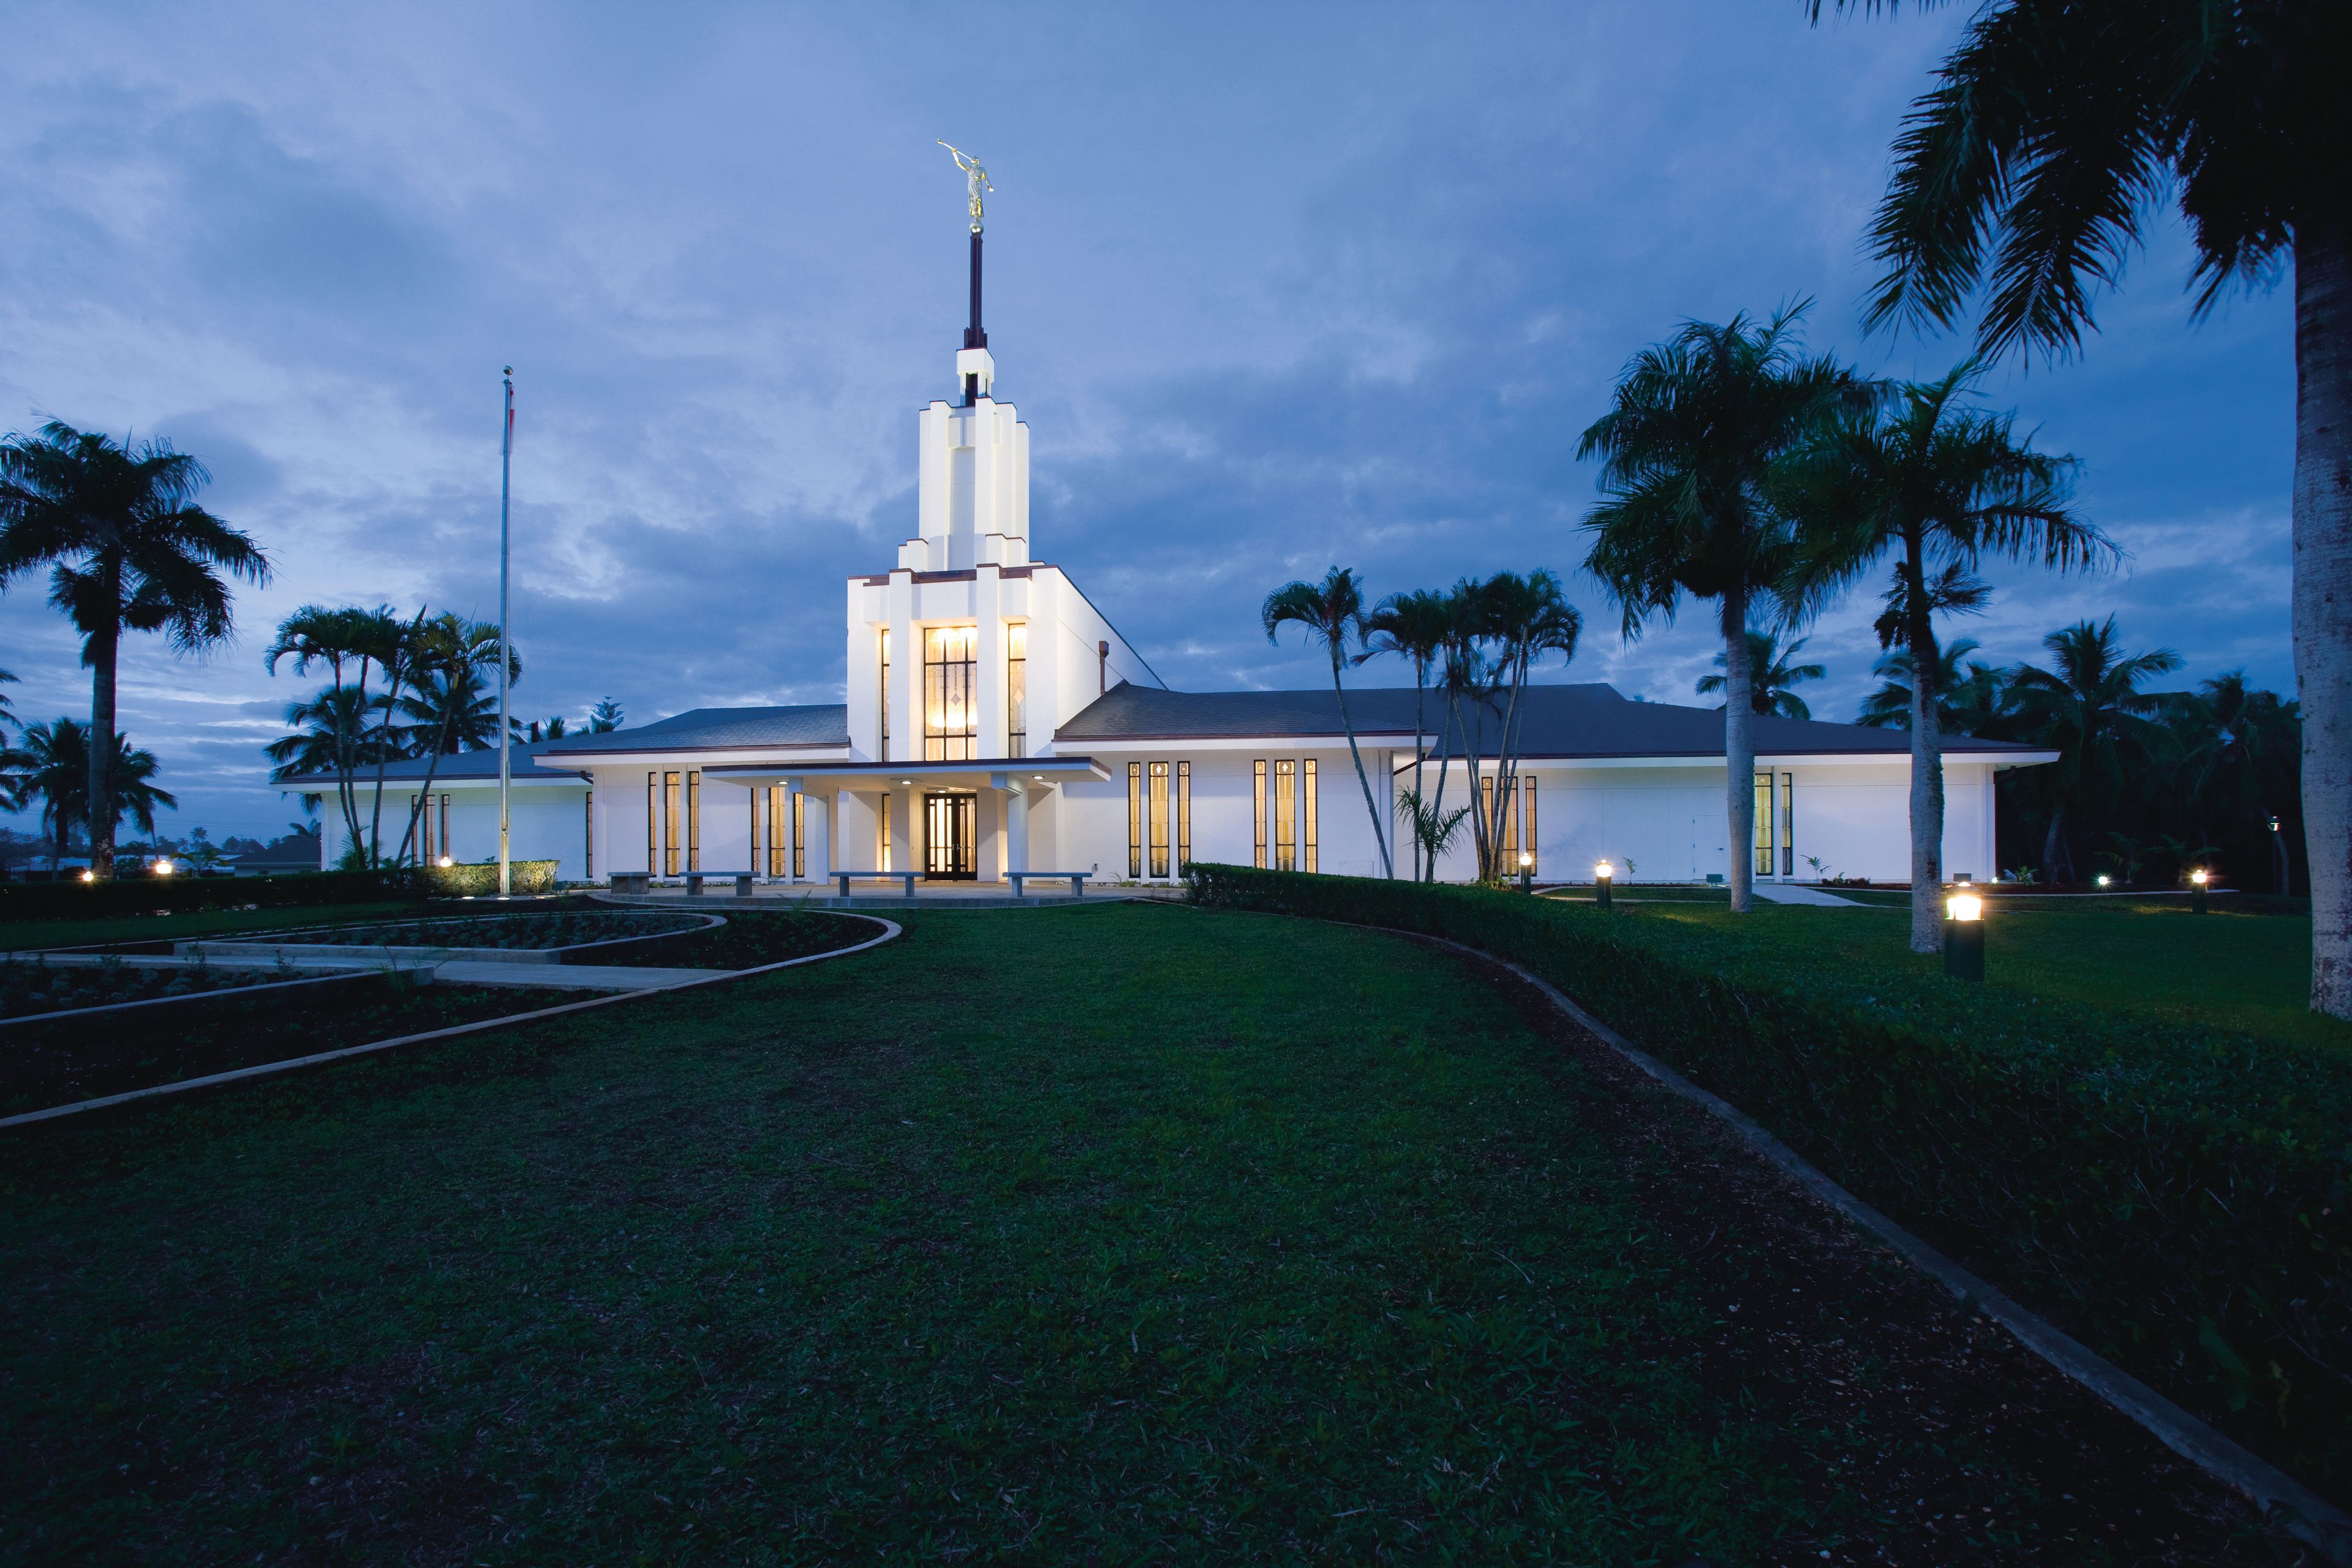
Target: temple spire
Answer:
pixel 976 365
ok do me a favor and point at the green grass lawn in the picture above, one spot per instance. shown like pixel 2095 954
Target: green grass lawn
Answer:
pixel 2250 972
pixel 17 935
pixel 1112 1236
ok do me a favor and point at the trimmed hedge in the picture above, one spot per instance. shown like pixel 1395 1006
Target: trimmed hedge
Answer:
pixel 141 895
pixel 480 880
pixel 2182 1201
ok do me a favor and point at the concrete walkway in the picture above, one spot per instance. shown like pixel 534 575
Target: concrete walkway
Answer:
pixel 566 976
pixel 1796 893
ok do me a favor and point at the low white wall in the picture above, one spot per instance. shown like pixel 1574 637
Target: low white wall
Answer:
pixel 547 822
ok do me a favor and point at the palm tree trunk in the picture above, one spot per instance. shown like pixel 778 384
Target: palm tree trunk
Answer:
pixel 100 652
pixel 1421 802
pixel 2054 841
pixel 1926 765
pixel 1740 749
pixel 1380 839
pixel 1445 766
pixel 2323 591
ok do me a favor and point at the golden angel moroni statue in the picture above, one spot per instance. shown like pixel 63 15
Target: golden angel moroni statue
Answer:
pixel 975 178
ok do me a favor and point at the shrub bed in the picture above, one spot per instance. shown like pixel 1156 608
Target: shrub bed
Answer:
pixel 2181 1200
pixel 538 929
pixel 480 880
pixel 142 895
pixel 31 987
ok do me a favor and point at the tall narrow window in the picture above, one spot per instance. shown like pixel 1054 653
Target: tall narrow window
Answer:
pixel 1159 828
pixel 800 834
pixel 1016 690
pixel 1510 825
pixel 782 834
pixel 421 806
pixel 886 694
pixel 1788 824
pixel 886 830
pixel 1257 811
pixel 1764 825
pixel 588 835
pixel 1307 804
pixel 445 826
pixel 950 694
pixel 694 820
pixel 653 825
pixel 1135 819
pixel 1184 816
pixel 1535 844
pixel 670 806
pixel 1285 814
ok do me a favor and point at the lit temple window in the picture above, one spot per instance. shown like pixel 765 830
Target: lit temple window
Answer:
pixel 950 693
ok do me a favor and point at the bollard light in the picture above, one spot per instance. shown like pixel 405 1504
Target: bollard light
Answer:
pixel 2104 879
pixel 1527 871
pixel 2197 890
pixel 1604 877
pixel 90 876
pixel 164 866
pixel 1964 936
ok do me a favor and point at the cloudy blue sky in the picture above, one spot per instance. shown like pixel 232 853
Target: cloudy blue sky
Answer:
pixel 1275 287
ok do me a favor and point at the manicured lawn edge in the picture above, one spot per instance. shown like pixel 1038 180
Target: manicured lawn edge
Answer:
pixel 211 1080
pixel 2302 1512
pixel 2180 1200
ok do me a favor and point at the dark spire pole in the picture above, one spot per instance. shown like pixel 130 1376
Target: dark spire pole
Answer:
pixel 974 337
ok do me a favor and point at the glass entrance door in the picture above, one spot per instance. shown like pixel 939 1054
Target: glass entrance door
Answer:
pixel 950 837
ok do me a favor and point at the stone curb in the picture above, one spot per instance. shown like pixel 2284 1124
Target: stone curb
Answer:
pixel 2287 1502
pixel 263 1069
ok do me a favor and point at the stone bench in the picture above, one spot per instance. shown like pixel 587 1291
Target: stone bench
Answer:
pixel 742 880
pixel 844 878
pixel 1077 880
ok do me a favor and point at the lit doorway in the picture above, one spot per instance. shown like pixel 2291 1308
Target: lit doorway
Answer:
pixel 950 837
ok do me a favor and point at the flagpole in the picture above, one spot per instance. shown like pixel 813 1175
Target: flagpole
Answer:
pixel 505 659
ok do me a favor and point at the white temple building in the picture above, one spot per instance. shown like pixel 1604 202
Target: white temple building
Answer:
pixel 995 721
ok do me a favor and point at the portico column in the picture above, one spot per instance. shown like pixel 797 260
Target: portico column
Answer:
pixel 988 857
pixel 1016 828
pixel 900 827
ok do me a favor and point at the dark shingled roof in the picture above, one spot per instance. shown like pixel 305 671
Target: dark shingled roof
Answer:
pixel 457 766
pixel 1583 720
pixel 817 724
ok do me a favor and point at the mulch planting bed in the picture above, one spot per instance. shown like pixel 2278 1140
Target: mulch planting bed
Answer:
pixel 1812 1315
pixel 568 928
pixel 60 1061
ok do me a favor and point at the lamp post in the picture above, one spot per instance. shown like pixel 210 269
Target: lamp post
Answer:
pixel 1964 937
pixel 1603 876
pixel 2197 890
pixel 1527 871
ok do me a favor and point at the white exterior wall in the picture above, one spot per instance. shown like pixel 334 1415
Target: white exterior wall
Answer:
pixel 1092 820
pixel 548 821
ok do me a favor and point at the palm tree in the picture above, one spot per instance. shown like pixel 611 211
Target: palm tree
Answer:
pixel 1969 693
pixel 1526 617
pixel 58 775
pixel 1697 432
pixel 451 711
pixel 1332 614
pixel 1776 685
pixel 8 712
pixel 2052 135
pixel 2091 711
pixel 1413 626
pixel 1939 485
pixel 345 642
pixel 129 550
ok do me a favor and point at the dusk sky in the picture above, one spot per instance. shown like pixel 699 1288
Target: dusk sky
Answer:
pixel 1275 288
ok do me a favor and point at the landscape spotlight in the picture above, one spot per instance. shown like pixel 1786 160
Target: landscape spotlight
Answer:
pixel 1602 875
pixel 163 867
pixel 2197 890
pixel 2104 879
pixel 1964 937
pixel 445 862
pixel 1527 871
pixel 90 876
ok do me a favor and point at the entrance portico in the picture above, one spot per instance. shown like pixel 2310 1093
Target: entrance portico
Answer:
pixel 948 821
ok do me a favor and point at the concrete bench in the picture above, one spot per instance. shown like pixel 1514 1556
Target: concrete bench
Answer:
pixel 1077 880
pixel 907 876
pixel 631 884
pixel 742 881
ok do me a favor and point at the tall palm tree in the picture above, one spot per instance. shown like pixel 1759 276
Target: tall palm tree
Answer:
pixel 129 550
pixel 1696 434
pixel 1776 679
pixel 2053 135
pixel 7 712
pixel 1526 617
pixel 2090 710
pixel 1414 627
pixel 343 641
pixel 1332 612
pixel 1939 485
